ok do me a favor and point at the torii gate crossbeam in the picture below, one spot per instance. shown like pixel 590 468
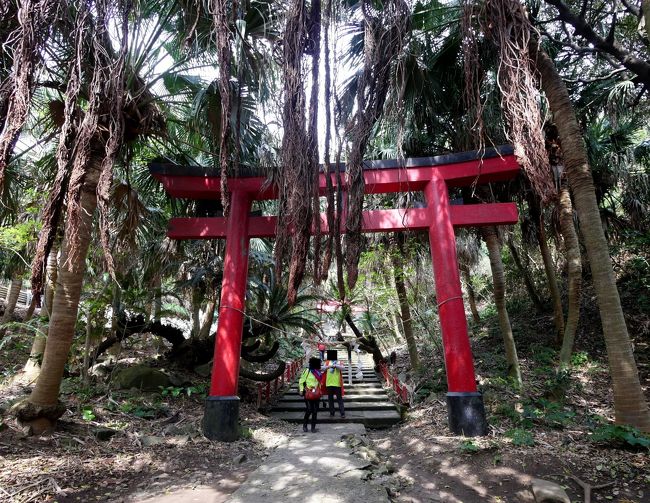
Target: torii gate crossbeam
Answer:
pixel 431 175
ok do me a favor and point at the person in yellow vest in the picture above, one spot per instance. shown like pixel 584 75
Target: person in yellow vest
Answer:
pixel 334 381
pixel 310 387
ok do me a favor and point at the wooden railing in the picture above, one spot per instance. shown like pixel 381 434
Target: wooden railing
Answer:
pixel 266 390
pixel 392 381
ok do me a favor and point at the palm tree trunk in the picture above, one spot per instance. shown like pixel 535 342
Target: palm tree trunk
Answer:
pixel 42 407
pixel 400 288
pixel 630 405
pixel 116 309
pixel 574 275
pixel 471 296
pixel 157 299
pixel 553 287
pixel 86 360
pixel 528 280
pixel 196 312
pixel 30 310
pixel 50 278
pixel 498 277
pixel 208 318
pixel 33 365
pixel 12 297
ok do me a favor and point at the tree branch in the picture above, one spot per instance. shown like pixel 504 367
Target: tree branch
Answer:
pixel 636 65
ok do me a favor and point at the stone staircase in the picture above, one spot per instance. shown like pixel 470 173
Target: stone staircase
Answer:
pixel 365 400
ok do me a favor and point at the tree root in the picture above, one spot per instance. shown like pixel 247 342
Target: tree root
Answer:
pixel 248 374
pixel 39 418
pixel 262 357
pixel 588 488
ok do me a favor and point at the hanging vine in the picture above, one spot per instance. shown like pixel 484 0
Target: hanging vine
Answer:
pixel 221 31
pixel 507 25
pixel 25 43
pixel 299 171
pixel 472 71
pixel 384 36
pixel 55 203
pixel 115 96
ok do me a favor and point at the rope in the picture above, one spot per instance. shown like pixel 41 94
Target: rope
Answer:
pixel 258 321
pixel 449 300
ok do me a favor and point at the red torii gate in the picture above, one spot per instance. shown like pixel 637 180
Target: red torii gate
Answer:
pixel 433 176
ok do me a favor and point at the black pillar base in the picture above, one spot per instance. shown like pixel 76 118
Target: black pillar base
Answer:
pixel 466 414
pixel 221 418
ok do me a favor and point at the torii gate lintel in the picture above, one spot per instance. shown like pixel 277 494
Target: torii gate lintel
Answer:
pixel 433 176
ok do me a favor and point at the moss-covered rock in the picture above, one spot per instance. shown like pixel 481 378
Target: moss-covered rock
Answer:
pixel 141 377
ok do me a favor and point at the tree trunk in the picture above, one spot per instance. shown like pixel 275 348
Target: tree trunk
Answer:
pixel 12 297
pixel 50 278
pixel 33 365
pixel 116 309
pixel 407 324
pixel 554 289
pixel 471 296
pixel 574 275
pixel 42 408
pixel 208 318
pixel 629 401
pixel 528 280
pixel 496 264
pixel 157 300
pixel 196 313
pixel 86 361
pixel 30 310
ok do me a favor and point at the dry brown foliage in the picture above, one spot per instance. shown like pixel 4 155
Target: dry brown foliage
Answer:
pixel 224 57
pixel 384 36
pixel 506 24
pixel 25 43
pixel 299 171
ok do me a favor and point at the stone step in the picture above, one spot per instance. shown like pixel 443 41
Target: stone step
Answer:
pixel 363 397
pixel 370 418
pixel 349 405
pixel 354 387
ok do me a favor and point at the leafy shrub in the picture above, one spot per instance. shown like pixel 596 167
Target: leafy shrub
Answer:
pixel 579 359
pixel 87 413
pixel 176 391
pixel 521 437
pixel 468 446
pixel 618 435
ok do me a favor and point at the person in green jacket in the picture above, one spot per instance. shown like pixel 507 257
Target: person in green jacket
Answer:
pixel 334 381
pixel 311 378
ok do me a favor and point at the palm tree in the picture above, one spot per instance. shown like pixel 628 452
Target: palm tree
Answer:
pixel 629 401
pixel 491 238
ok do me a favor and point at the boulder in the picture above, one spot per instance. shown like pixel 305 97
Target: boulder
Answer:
pixel 141 377
pixel 204 370
pixel 548 492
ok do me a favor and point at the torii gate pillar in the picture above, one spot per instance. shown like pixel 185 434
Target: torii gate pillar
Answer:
pixel 221 418
pixel 465 408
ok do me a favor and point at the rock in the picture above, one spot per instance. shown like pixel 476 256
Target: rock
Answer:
pixel 239 459
pixel 548 492
pixel 368 454
pixel 179 380
pixel 204 370
pixel 102 369
pixel 178 440
pixel 104 434
pixel 148 441
pixel 181 430
pixel 141 377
